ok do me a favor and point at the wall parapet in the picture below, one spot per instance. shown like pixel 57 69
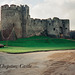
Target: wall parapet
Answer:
pixel 13 6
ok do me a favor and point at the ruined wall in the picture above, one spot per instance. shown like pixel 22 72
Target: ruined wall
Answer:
pixel 66 29
pixel 50 27
pixel 36 27
pixel 72 34
pixel 53 27
pixel 58 28
pixel 16 23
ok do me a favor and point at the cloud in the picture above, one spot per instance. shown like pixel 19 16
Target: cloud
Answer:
pixel 49 8
pixel 18 2
pixel 69 9
pixel 64 9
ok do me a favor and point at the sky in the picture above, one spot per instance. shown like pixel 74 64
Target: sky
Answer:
pixel 43 9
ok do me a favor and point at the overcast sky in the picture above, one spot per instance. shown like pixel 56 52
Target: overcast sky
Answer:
pixel 64 9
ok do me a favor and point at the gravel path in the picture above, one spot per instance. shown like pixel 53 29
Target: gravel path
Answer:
pixel 38 63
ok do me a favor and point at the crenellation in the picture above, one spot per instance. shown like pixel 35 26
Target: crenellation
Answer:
pixel 5 7
pixel 27 7
pixel 18 8
pixel 13 6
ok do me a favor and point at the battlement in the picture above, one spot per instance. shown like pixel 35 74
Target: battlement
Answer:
pixel 14 7
pixel 65 20
pixel 26 6
pixel 5 7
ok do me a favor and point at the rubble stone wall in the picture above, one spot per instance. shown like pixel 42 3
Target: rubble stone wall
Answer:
pixel 16 23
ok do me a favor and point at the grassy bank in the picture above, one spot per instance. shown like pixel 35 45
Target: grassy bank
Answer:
pixel 37 43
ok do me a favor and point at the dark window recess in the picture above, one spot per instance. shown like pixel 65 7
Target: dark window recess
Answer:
pixel 60 27
pixel 65 28
pixel 63 24
pixel 49 23
pixel 41 21
pixel 54 29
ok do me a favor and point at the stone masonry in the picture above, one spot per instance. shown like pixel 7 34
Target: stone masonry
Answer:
pixel 16 23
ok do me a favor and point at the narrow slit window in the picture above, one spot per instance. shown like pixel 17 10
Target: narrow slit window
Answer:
pixel 54 29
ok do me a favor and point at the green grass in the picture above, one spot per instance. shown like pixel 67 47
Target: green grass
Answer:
pixel 37 43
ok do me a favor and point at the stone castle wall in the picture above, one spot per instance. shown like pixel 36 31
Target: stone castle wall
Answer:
pixel 0 25
pixel 36 27
pixel 16 23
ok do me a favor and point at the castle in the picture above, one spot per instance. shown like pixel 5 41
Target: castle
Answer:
pixel 16 23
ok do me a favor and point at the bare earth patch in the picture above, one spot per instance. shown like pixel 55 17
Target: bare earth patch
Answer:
pixel 38 63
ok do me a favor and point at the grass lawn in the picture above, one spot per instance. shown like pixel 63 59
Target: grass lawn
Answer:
pixel 36 43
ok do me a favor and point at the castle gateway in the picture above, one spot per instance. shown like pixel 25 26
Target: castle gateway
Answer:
pixel 16 23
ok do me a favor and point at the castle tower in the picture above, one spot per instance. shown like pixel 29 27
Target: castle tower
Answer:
pixel 14 19
pixel 25 19
pixel 11 21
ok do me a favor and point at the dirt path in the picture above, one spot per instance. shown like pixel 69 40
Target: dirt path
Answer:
pixel 38 63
